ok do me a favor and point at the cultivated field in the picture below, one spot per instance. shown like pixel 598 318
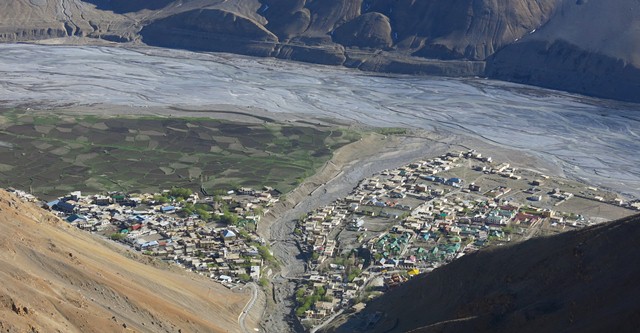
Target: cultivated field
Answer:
pixel 55 154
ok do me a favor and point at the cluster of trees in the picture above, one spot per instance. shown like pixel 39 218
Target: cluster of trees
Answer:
pixel 117 236
pixel 180 193
pixel 228 218
pixel 266 255
pixel 353 273
pixel 306 301
pixel 203 210
pixel 244 277
pixel 176 193
pixel 350 263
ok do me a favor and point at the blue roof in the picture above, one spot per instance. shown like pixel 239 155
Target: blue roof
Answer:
pixel 52 203
pixel 75 217
pixel 65 206
pixel 167 208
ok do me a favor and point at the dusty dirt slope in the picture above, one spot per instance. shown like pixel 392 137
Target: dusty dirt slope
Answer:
pixel 582 281
pixel 56 278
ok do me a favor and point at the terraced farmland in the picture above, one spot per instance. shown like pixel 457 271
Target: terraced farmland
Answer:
pixel 53 154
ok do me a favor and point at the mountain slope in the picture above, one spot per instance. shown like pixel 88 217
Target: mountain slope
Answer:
pixel 56 278
pixel 590 47
pixel 22 20
pixel 583 281
pixel 586 46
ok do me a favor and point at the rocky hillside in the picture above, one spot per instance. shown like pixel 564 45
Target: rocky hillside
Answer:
pixel 583 281
pixel 56 278
pixel 586 46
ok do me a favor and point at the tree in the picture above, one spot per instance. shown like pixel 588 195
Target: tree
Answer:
pixel 178 192
pixel 188 209
pixel 229 219
pixel 244 277
pixel 300 311
pixel 203 214
pixel 300 294
pixel 160 199
pixel 354 273
pixel 117 236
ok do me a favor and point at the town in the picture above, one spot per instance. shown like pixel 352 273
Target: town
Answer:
pixel 391 227
pixel 213 236
pixel 413 219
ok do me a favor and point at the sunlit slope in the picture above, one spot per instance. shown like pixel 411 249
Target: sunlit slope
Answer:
pixel 58 279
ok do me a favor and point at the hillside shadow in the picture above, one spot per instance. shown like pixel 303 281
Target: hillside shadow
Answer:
pixel 128 6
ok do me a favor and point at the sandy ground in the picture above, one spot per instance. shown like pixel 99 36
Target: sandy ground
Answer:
pixel 56 278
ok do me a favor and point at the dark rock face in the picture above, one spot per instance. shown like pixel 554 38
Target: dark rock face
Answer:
pixel 372 30
pixel 561 65
pixel 325 55
pixel 461 29
pixel 32 34
pixel 214 22
pixel 128 6
pixel 581 281
pixel 211 30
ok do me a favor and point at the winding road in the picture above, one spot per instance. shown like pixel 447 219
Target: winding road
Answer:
pixel 247 308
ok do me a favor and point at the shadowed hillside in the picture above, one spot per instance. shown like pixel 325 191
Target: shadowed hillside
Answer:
pixel 583 281
pixel 590 47
pixel 56 278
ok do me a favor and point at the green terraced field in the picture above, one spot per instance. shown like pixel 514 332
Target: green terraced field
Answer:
pixel 54 154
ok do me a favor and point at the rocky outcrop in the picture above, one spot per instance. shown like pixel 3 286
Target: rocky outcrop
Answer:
pixel 392 63
pixel 371 30
pixel 461 29
pixel 24 20
pixel 325 55
pixel 211 30
pixel 16 35
pixel 129 6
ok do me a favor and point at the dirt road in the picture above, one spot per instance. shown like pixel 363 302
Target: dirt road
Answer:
pixel 247 308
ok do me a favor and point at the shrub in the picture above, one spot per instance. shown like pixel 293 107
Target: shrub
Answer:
pixel 244 277
pixel 117 236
